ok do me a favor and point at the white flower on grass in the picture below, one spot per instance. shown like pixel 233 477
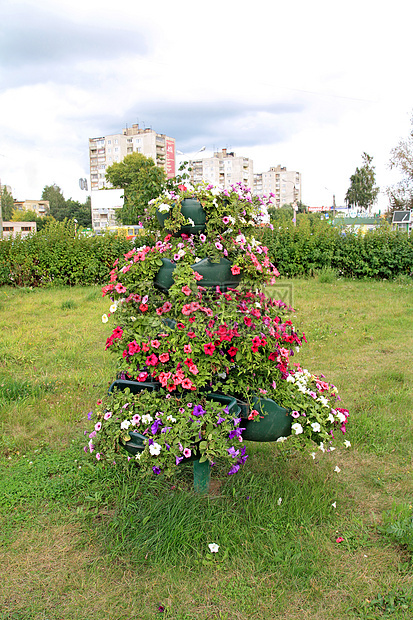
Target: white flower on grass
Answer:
pixel 133 318
pixel 213 547
pixel 297 428
pixel 138 456
pixel 279 501
pixel 330 417
pixel 113 307
pixel 337 469
pixel 312 454
pixel 321 447
pixel 316 427
pixel 281 439
pixel 147 418
pixel 155 449
pixel 105 318
pixel 347 443
pixel 334 504
pixel 125 425
pixel 290 379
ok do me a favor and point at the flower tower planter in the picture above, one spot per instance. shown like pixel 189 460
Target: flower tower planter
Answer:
pixel 205 354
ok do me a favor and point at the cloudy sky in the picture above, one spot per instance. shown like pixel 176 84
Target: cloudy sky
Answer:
pixel 308 85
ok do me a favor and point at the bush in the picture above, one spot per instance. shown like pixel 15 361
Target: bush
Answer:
pixel 56 255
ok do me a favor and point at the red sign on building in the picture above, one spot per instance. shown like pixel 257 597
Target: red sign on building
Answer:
pixel 170 159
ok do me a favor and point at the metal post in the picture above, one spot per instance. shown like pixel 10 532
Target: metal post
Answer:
pixel 202 476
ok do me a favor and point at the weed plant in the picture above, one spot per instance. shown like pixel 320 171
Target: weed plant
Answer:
pixel 77 541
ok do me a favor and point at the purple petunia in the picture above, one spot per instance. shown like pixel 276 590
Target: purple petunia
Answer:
pixel 198 410
pixel 156 470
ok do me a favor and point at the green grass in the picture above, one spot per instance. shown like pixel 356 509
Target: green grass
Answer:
pixel 78 542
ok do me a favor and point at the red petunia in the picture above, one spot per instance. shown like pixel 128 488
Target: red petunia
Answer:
pixel 209 348
pixel 232 351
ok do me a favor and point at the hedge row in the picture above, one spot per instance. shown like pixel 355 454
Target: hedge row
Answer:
pixel 56 255
pixel 314 245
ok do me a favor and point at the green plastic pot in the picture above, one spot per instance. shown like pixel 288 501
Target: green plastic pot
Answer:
pixel 214 274
pixel 190 208
pixel 274 421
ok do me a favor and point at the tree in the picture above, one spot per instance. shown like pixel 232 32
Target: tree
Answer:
pixel 362 191
pixel 7 204
pixel 401 158
pixel 141 181
pixel 57 202
pixel 82 212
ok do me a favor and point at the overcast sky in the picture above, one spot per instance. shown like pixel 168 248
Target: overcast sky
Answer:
pixel 308 85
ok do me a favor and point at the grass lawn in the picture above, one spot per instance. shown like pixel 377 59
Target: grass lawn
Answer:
pixel 79 543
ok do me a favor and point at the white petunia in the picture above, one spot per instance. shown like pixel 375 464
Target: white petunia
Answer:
pixel 330 417
pixel 125 425
pixel 297 428
pixel 281 439
pixel 155 449
pixel 164 208
pixel 213 547
pixel 113 308
pixel 147 418
pixel 312 454
pixel 334 504
pixel 316 427
pixel 337 469
pixel 323 400
pixel 279 501
pixel 347 443
pixel 171 418
pixel 321 447
pixel 105 318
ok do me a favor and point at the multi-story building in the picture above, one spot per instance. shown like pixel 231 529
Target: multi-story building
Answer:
pixel 40 207
pixel 107 150
pixel 223 169
pixel 284 184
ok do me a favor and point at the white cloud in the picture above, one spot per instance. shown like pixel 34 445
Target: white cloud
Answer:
pixel 306 85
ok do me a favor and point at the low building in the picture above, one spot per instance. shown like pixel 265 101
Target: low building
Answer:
pixel 12 229
pixel 403 220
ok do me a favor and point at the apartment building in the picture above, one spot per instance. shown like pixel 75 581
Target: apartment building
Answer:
pixel 223 169
pixel 107 150
pixel 40 207
pixel 284 184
